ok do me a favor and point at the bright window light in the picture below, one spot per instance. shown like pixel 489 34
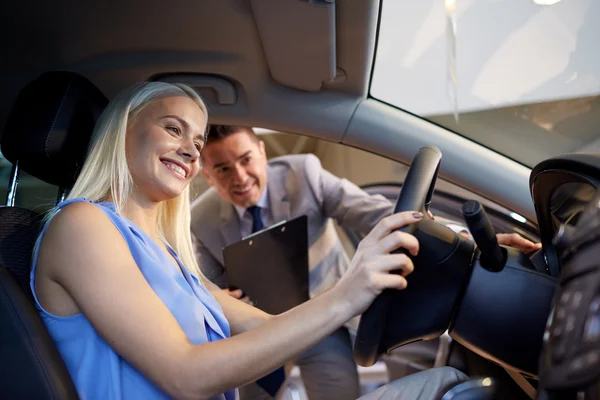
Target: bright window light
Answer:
pixel 518 217
pixel 263 131
pixel 546 2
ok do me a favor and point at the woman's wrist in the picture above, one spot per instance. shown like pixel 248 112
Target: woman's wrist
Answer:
pixel 338 304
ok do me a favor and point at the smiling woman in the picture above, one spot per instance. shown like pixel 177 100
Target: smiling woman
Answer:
pixel 108 174
pixel 116 257
pixel 160 140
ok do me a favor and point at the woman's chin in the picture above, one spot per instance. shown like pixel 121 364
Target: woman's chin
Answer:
pixel 158 190
pixel 170 194
pixel 162 194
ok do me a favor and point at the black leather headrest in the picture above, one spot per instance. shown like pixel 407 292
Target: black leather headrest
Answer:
pixel 50 126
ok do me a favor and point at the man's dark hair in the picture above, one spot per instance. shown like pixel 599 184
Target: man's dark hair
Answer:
pixel 217 133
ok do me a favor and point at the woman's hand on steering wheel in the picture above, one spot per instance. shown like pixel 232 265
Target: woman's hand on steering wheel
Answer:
pixel 371 269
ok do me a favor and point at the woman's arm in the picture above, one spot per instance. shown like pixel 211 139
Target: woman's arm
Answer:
pixel 242 317
pixel 85 254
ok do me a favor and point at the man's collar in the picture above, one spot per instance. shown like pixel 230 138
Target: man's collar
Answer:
pixel 263 202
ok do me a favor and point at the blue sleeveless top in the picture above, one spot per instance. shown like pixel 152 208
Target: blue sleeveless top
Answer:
pixel 96 369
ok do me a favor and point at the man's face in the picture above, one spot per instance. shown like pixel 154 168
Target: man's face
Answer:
pixel 237 168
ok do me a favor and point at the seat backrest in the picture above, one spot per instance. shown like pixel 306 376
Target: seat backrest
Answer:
pixel 19 229
pixel 47 134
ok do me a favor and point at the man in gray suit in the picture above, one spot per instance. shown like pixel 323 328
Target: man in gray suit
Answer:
pixel 249 191
pixel 235 165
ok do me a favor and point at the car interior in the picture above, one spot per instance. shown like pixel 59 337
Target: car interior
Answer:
pixel 343 80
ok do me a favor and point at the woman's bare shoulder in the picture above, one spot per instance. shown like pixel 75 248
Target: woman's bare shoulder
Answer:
pixel 78 236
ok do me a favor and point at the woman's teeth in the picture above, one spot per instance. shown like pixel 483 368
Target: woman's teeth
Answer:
pixel 175 168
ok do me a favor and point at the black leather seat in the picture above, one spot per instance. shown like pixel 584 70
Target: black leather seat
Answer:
pixel 46 135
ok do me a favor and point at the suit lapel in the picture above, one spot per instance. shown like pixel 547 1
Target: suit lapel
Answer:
pixel 278 200
pixel 230 224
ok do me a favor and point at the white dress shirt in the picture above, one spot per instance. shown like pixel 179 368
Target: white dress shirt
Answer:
pixel 246 216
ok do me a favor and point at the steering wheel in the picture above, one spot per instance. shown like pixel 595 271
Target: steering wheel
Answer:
pixel 416 194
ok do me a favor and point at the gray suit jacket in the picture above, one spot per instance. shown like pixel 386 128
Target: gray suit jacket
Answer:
pixel 297 185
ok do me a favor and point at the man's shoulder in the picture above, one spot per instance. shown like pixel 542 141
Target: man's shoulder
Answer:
pixel 207 204
pixel 294 163
pixel 296 174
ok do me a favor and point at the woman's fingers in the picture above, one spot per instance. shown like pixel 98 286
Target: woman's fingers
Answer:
pixel 374 252
pixel 394 262
pixel 389 281
pixel 391 223
pixel 396 240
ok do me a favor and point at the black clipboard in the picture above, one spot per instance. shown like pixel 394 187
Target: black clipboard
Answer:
pixel 271 266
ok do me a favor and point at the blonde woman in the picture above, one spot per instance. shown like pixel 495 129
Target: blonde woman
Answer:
pixel 117 285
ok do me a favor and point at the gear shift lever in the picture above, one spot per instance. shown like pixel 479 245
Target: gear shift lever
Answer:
pixel 493 257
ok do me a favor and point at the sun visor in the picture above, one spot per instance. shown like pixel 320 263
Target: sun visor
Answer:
pixel 298 39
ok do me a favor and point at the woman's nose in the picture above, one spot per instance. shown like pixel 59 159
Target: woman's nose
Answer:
pixel 188 149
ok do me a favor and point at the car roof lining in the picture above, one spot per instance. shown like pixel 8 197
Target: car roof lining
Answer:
pixel 117 47
pixel 114 49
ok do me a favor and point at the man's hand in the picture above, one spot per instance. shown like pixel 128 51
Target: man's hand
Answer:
pixel 237 293
pixel 507 239
pixel 518 242
pixel 511 240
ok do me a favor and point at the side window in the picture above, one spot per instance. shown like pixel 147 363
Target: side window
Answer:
pixel 377 174
pixel 340 160
pixel 32 193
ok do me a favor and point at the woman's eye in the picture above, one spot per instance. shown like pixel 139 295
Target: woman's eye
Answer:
pixel 198 146
pixel 175 130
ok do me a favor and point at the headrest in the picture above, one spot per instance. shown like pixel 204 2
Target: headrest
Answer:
pixel 50 125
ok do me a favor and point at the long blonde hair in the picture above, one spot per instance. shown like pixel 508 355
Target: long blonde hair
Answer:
pixel 105 172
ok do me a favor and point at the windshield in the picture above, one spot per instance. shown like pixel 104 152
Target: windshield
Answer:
pixel 528 75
